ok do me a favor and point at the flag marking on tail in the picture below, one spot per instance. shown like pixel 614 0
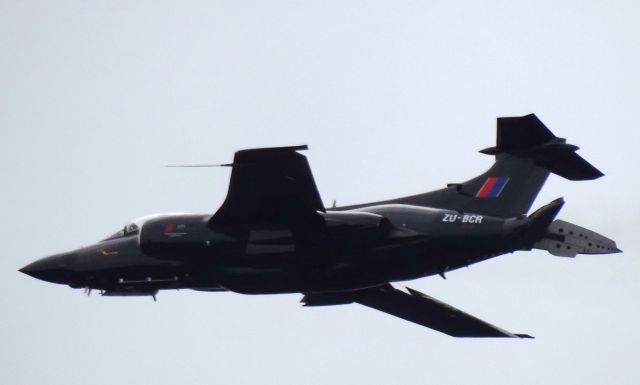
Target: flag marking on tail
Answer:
pixel 492 187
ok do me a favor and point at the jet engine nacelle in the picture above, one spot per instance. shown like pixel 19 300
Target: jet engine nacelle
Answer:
pixel 356 225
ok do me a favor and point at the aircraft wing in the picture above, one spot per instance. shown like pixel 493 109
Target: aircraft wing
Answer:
pixel 416 307
pixel 269 184
pixel 419 308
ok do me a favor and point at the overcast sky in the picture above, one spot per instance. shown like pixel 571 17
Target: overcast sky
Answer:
pixel 393 98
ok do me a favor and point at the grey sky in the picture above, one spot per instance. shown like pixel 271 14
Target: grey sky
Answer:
pixel 393 97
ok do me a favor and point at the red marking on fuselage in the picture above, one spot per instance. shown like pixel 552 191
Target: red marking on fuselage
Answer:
pixel 486 187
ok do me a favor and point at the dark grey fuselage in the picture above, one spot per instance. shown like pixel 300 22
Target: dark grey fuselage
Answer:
pixel 348 250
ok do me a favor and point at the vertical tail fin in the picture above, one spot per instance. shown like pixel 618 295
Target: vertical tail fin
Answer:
pixel 526 152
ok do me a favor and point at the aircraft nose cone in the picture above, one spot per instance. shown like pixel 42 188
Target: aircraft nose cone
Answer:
pixel 56 268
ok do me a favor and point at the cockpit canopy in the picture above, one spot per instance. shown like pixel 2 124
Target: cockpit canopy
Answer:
pixel 134 227
pixel 130 229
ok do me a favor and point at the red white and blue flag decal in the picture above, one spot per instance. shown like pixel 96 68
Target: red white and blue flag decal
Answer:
pixel 492 187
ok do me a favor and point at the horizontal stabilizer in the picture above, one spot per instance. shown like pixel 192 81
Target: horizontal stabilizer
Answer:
pixel 565 239
pixel 521 132
pixel 527 136
pixel 569 165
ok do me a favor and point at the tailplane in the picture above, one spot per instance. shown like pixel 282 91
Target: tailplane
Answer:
pixel 527 136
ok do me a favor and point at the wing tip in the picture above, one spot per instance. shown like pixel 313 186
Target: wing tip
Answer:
pixel 274 149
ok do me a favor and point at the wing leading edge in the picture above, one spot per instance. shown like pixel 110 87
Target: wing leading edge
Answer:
pixel 418 308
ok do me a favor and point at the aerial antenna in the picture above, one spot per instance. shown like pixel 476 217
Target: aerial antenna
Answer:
pixel 201 165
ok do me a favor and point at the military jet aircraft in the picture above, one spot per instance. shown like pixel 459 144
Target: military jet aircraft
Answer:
pixel 274 235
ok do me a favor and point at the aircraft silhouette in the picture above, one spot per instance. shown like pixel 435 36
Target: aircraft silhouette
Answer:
pixel 274 235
